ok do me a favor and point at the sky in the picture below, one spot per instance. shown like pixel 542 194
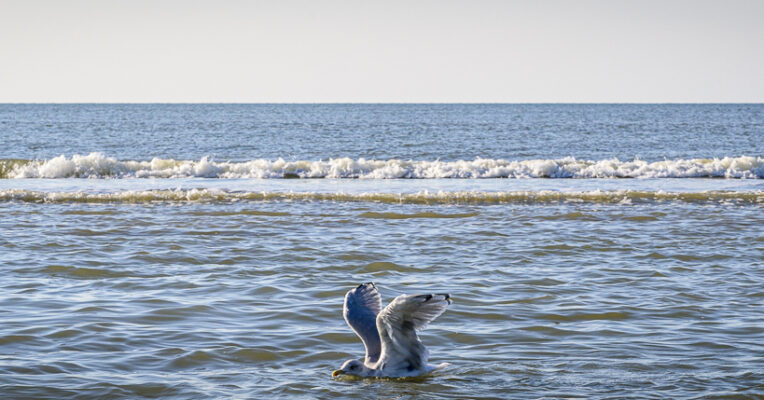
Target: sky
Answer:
pixel 381 51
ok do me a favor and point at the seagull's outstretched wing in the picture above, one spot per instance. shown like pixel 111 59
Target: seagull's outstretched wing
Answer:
pixel 362 305
pixel 397 324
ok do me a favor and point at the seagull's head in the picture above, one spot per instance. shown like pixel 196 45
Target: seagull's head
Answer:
pixel 352 367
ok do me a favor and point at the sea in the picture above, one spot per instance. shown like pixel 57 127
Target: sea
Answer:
pixel 193 251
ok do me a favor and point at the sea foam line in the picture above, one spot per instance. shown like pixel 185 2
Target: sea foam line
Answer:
pixel 97 165
pixel 424 197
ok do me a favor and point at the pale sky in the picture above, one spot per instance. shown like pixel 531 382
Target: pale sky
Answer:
pixel 381 51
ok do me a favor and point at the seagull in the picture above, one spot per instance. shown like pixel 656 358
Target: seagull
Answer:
pixel 393 349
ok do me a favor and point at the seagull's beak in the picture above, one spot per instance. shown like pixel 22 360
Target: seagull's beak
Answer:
pixel 337 372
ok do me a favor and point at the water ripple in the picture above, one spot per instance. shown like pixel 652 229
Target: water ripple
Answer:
pixel 241 300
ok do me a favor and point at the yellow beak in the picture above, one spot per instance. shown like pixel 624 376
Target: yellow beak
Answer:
pixel 337 372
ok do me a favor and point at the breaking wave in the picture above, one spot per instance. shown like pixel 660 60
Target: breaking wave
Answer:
pixel 97 165
pixel 424 197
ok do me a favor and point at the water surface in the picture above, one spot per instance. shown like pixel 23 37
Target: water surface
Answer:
pixel 199 284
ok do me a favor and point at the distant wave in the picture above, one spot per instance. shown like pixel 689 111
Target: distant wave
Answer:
pixel 424 197
pixel 97 165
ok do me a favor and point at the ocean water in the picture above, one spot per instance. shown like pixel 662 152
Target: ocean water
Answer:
pixel 203 250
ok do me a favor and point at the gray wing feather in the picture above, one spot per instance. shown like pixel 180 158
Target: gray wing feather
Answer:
pixel 398 323
pixel 362 305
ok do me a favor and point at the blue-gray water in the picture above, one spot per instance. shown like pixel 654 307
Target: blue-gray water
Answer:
pixel 592 251
pixel 386 131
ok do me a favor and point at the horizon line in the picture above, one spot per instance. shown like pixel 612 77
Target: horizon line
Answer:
pixel 382 103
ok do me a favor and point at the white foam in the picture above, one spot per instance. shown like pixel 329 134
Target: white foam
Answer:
pixel 620 197
pixel 97 165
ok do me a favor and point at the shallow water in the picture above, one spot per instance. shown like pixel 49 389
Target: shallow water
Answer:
pixel 244 299
pixel 191 288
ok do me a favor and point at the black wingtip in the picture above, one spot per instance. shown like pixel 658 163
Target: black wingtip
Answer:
pixel 428 297
pixel 366 284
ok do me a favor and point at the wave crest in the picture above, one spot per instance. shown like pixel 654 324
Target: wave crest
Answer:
pixel 424 197
pixel 97 165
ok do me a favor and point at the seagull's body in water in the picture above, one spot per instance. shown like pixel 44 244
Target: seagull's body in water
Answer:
pixel 393 348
